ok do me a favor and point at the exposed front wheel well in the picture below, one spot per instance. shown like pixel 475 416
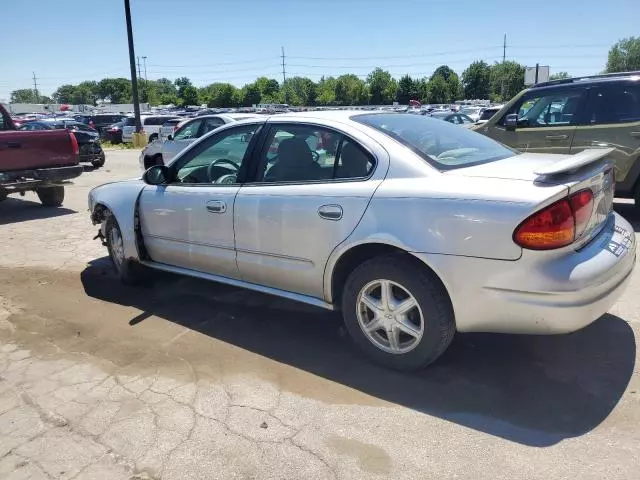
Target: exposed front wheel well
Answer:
pixel 354 257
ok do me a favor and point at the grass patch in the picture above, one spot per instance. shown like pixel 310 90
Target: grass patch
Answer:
pixel 119 146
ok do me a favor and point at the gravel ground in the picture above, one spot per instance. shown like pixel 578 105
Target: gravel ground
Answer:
pixel 189 380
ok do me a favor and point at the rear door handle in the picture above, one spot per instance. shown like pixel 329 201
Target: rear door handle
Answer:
pixel 14 145
pixel 216 206
pixel 557 137
pixel 330 212
pixel 635 134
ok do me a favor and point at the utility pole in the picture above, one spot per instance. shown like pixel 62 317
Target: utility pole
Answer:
pixel 138 62
pixel 132 65
pixel 284 76
pixel 144 59
pixel 504 58
pixel 35 88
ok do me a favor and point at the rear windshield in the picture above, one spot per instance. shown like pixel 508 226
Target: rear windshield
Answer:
pixel 442 144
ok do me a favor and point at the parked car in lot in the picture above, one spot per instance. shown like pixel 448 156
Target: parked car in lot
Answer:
pixel 472 112
pixel 100 121
pixel 150 124
pixel 88 139
pixel 113 133
pixel 169 128
pixel 455 118
pixel 189 130
pixel 412 227
pixel 571 115
pixel 487 113
pixel 39 161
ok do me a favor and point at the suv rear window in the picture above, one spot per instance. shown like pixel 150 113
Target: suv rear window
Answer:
pixel 443 145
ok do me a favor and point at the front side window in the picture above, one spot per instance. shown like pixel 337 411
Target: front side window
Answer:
pixel 547 109
pixel 217 160
pixel 614 103
pixel 441 144
pixel 188 131
pixel 307 153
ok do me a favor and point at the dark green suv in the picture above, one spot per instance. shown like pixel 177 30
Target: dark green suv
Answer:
pixel 568 116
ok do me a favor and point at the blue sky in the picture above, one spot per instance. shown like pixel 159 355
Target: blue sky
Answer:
pixel 67 41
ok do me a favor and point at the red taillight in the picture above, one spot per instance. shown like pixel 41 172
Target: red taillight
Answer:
pixel 74 144
pixel 582 206
pixel 557 225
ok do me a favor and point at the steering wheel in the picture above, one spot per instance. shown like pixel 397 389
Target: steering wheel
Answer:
pixel 228 179
pixel 214 164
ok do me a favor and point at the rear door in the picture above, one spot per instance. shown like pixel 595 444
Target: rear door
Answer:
pixel 611 118
pixel 547 119
pixel 310 191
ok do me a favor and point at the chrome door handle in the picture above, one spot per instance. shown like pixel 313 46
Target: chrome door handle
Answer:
pixel 556 137
pixel 330 212
pixel 635 134
pixel 216 206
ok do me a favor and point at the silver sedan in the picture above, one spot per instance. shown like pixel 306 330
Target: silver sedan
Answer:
pixel 414 228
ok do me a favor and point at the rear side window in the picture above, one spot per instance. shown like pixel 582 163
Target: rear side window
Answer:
pixel 308 153
pixel 130 122
pixel 155 120
pixel 613 103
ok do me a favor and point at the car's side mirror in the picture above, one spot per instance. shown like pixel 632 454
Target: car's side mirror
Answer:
pixel 156 175
pixel 511 121
pixel 170 137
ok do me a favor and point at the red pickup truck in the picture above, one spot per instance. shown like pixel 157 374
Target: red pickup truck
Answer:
pixel 40 161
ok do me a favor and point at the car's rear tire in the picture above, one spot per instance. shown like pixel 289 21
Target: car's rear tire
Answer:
pixel 129 272
pixel 51 196
pixel 99 162
pixel 403 340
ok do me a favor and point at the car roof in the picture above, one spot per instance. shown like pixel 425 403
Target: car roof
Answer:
pixel 591 79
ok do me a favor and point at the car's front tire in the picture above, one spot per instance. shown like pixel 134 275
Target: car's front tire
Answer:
pixel 99 162
pixel 128 271
pixel 397 312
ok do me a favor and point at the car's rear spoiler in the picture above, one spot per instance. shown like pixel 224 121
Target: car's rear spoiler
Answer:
pixel 573 162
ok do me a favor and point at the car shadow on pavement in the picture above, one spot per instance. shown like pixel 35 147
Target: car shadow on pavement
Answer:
pixel 534 390
pixel 630 212
pixel 15 210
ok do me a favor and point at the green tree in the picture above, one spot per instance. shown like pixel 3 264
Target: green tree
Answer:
pixel 182 84
pixel 476 81
pixel 559 76
pixel 115 90
pixel 407 90
pixel 382 87
pixel 350 90
pixel 624 56
pixel 219 95
pixel 438 90
pixel 251 95
pixel 326 91
pixel 24 95
pixel 190 95
pixel 299 91
pixel 452 80
pixel 64 94
pixel 269 90
pixel 507 79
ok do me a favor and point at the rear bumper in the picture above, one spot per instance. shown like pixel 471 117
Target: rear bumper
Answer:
pixel 541 293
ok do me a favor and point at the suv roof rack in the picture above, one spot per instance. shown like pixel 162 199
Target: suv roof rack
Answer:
pixel 587 78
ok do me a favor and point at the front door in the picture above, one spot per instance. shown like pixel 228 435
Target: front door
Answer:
pixel 546 121
pixel 311 190
pixel 189 222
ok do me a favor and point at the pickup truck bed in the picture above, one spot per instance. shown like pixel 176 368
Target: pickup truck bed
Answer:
pixel 26 150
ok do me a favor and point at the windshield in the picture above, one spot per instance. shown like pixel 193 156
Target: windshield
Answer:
pixel 442 144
